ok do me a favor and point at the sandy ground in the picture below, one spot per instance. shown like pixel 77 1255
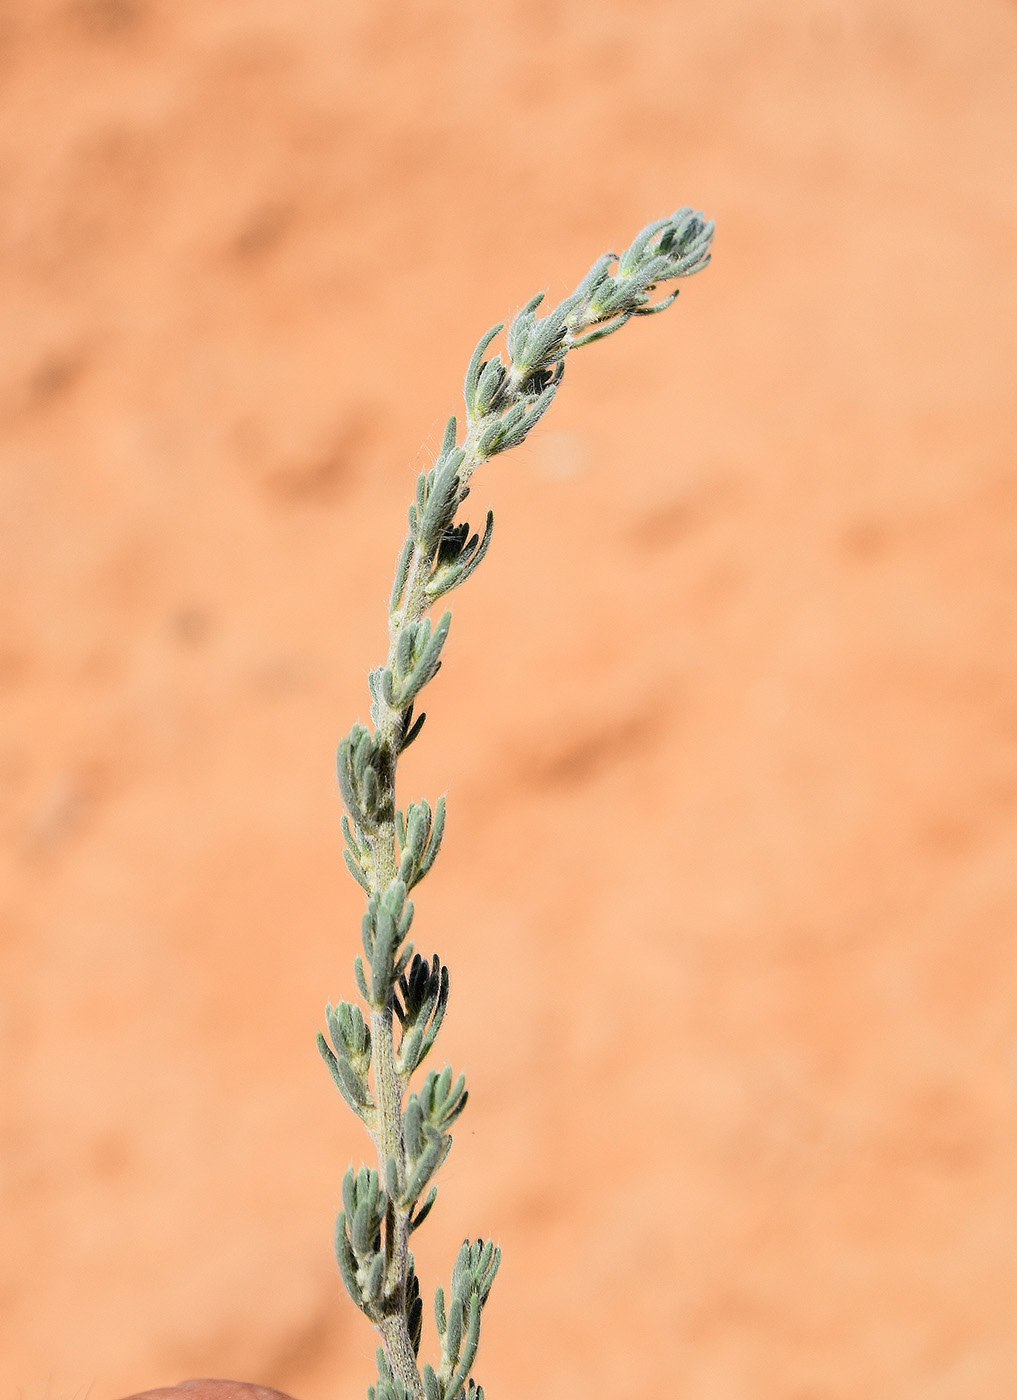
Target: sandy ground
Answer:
pixel 728 722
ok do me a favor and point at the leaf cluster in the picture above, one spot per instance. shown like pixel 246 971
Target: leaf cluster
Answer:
pixel 349 1056
pixel 458 1322
pixel 420 1006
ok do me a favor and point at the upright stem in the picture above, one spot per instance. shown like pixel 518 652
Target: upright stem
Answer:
pixel 388 1134
pixel 503 402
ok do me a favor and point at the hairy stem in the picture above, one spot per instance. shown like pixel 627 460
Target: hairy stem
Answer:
pixel 389 851
pixel 388 1131
pixel 388 1085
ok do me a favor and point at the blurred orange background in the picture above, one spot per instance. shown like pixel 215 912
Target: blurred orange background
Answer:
pixel 728 721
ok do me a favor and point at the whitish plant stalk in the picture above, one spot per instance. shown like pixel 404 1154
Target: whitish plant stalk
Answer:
pixel 388 851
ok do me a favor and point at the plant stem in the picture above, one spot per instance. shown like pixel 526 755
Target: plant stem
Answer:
pixel 388 1137
pixel 389 851
pixel 388 1133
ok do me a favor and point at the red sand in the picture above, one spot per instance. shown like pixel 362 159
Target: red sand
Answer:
pixel 728 721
